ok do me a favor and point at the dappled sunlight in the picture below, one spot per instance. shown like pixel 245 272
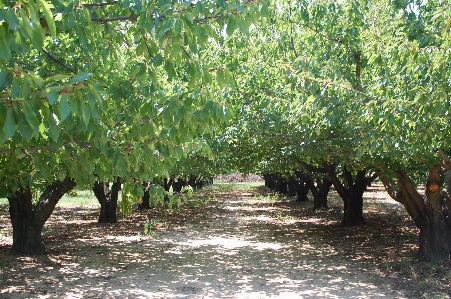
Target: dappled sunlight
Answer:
pixel 231 243
pixel 238 247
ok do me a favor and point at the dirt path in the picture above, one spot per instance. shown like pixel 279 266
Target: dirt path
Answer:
pixel 236 247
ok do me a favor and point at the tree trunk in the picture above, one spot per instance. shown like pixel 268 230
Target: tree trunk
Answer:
pixel 431 213
pixel 28 220
pixel 145 203
pixel 301 191
pixel 320 192
pixel 108 200
pixel 292 186
pixel 178 185
pixel 351 192
pixel 353 210
pixel 282 186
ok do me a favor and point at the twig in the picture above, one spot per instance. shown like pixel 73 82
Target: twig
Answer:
pixel 30 149
pixel 49 55
pixel 99 4
pixel 114 19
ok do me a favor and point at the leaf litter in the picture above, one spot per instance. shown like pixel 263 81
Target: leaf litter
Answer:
pixel 228 242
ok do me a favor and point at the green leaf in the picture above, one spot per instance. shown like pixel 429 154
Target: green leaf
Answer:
pixel 157 60
pixel 169 67
pixel 166 26
pixel 48 17
pixel 5 50
pixel 31 117
pixel 265 11
pixel 63 107
pixel 177 27
pixel 13 22
pixel 59 77
pixel 15 90
pixel 244 27
pixel 54 131
pixel 231 26
pixel 6 77
pixel 52 96
pixel 79 77
pixel 9 128
pixel 25 129
pixel 220 78
pixel 85 113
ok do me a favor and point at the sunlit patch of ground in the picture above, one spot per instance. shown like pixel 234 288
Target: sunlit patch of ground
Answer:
pixel 239 241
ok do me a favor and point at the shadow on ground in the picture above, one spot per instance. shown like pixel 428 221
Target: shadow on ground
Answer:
pixel 240 245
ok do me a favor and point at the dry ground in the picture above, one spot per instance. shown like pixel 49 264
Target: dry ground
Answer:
pixel 227 243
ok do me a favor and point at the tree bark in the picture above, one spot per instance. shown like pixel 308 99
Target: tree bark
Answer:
pixel 351 192
pixel 302 191
pixel 145 203
pixel 270 182
pixel 178 185
pixel 319 191
pixel 431 212
pixel 28 220
pixel 108 200
pixel 282 186
pixel 292 186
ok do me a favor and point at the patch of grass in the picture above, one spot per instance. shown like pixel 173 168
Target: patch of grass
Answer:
pixel 201 201
pixel 75 198
pixel 79 198
pixel 151 224
pixel 3 202
pixel 270 197
pixel 229 187
pixel 282 217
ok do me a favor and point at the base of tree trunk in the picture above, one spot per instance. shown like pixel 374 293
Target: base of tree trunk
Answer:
pixel 28 220
pixel 108 200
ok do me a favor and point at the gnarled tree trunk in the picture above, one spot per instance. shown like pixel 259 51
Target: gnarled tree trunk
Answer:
pixel 351 192
pixel 320 192
pixel 28 219
pixel 431 212
pixel 107 199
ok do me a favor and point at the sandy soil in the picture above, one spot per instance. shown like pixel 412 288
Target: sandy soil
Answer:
pixel 237 246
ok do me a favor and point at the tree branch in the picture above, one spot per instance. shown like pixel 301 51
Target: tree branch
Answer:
pixel 49 55
pixel 27 150
pixel 99 4
pixel 309 167
pixel 446 159
pixel 114 19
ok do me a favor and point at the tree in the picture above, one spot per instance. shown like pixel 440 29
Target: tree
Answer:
pixel 364 92
pixel 28 219
pixel 392 112
pixel 411 113
pixel 108 198
pixel 95 91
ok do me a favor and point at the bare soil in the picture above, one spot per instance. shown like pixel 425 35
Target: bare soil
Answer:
pixel 242 243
